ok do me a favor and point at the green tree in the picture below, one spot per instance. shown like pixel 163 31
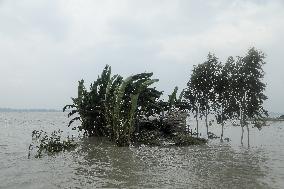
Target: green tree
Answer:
pixel 203 80
pixel 247 87
pixel 192 97
pixel 223 107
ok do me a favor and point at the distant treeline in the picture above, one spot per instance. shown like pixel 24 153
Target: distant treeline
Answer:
pixel 27 110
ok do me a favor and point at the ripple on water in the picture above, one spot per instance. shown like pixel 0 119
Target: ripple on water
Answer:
pixel 98 163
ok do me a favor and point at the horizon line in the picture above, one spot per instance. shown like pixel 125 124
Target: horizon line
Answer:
pixel 30 109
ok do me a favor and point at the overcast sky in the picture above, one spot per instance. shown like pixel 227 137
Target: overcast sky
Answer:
pixel 46 46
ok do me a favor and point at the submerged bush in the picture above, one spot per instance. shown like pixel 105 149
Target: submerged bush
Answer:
pixel 186 140
pixel 43 143
pixel 148 137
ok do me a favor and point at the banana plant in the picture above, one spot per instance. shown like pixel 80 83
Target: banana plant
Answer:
pixel 77 103
pixel 112 104
pixel 123 117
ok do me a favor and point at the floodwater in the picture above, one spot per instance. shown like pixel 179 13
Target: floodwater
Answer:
pixel 100 164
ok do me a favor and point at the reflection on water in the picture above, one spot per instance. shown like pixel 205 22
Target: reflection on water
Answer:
pixel 104 165
pixel 99 163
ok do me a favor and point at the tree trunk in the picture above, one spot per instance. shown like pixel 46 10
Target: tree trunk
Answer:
pixel 248 135
pixel 222 122
pixel 206 122
pixel 242 126
pixel 243 115
pixel 197 125
pixel 242 135
pixel 196 118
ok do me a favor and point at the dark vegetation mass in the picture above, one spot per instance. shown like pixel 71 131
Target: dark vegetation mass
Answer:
pixel 130 111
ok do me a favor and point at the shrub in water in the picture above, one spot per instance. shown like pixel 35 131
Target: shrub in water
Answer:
pixel 43 143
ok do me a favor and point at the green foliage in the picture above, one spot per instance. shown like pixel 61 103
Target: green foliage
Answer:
pixel 173 98
pixel 177 103
pixel 126 106
pixel 231 91
pixel 259 123
pixel 245 86
pixel 203 82
pixel 43 143
pixel 112 105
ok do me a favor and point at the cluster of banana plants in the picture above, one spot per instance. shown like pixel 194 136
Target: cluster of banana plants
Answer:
pixel 112 105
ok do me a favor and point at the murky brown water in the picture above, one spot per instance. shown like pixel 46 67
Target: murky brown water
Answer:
pixel 97 163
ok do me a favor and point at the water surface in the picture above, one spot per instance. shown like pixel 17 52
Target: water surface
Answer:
pixel 97 163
